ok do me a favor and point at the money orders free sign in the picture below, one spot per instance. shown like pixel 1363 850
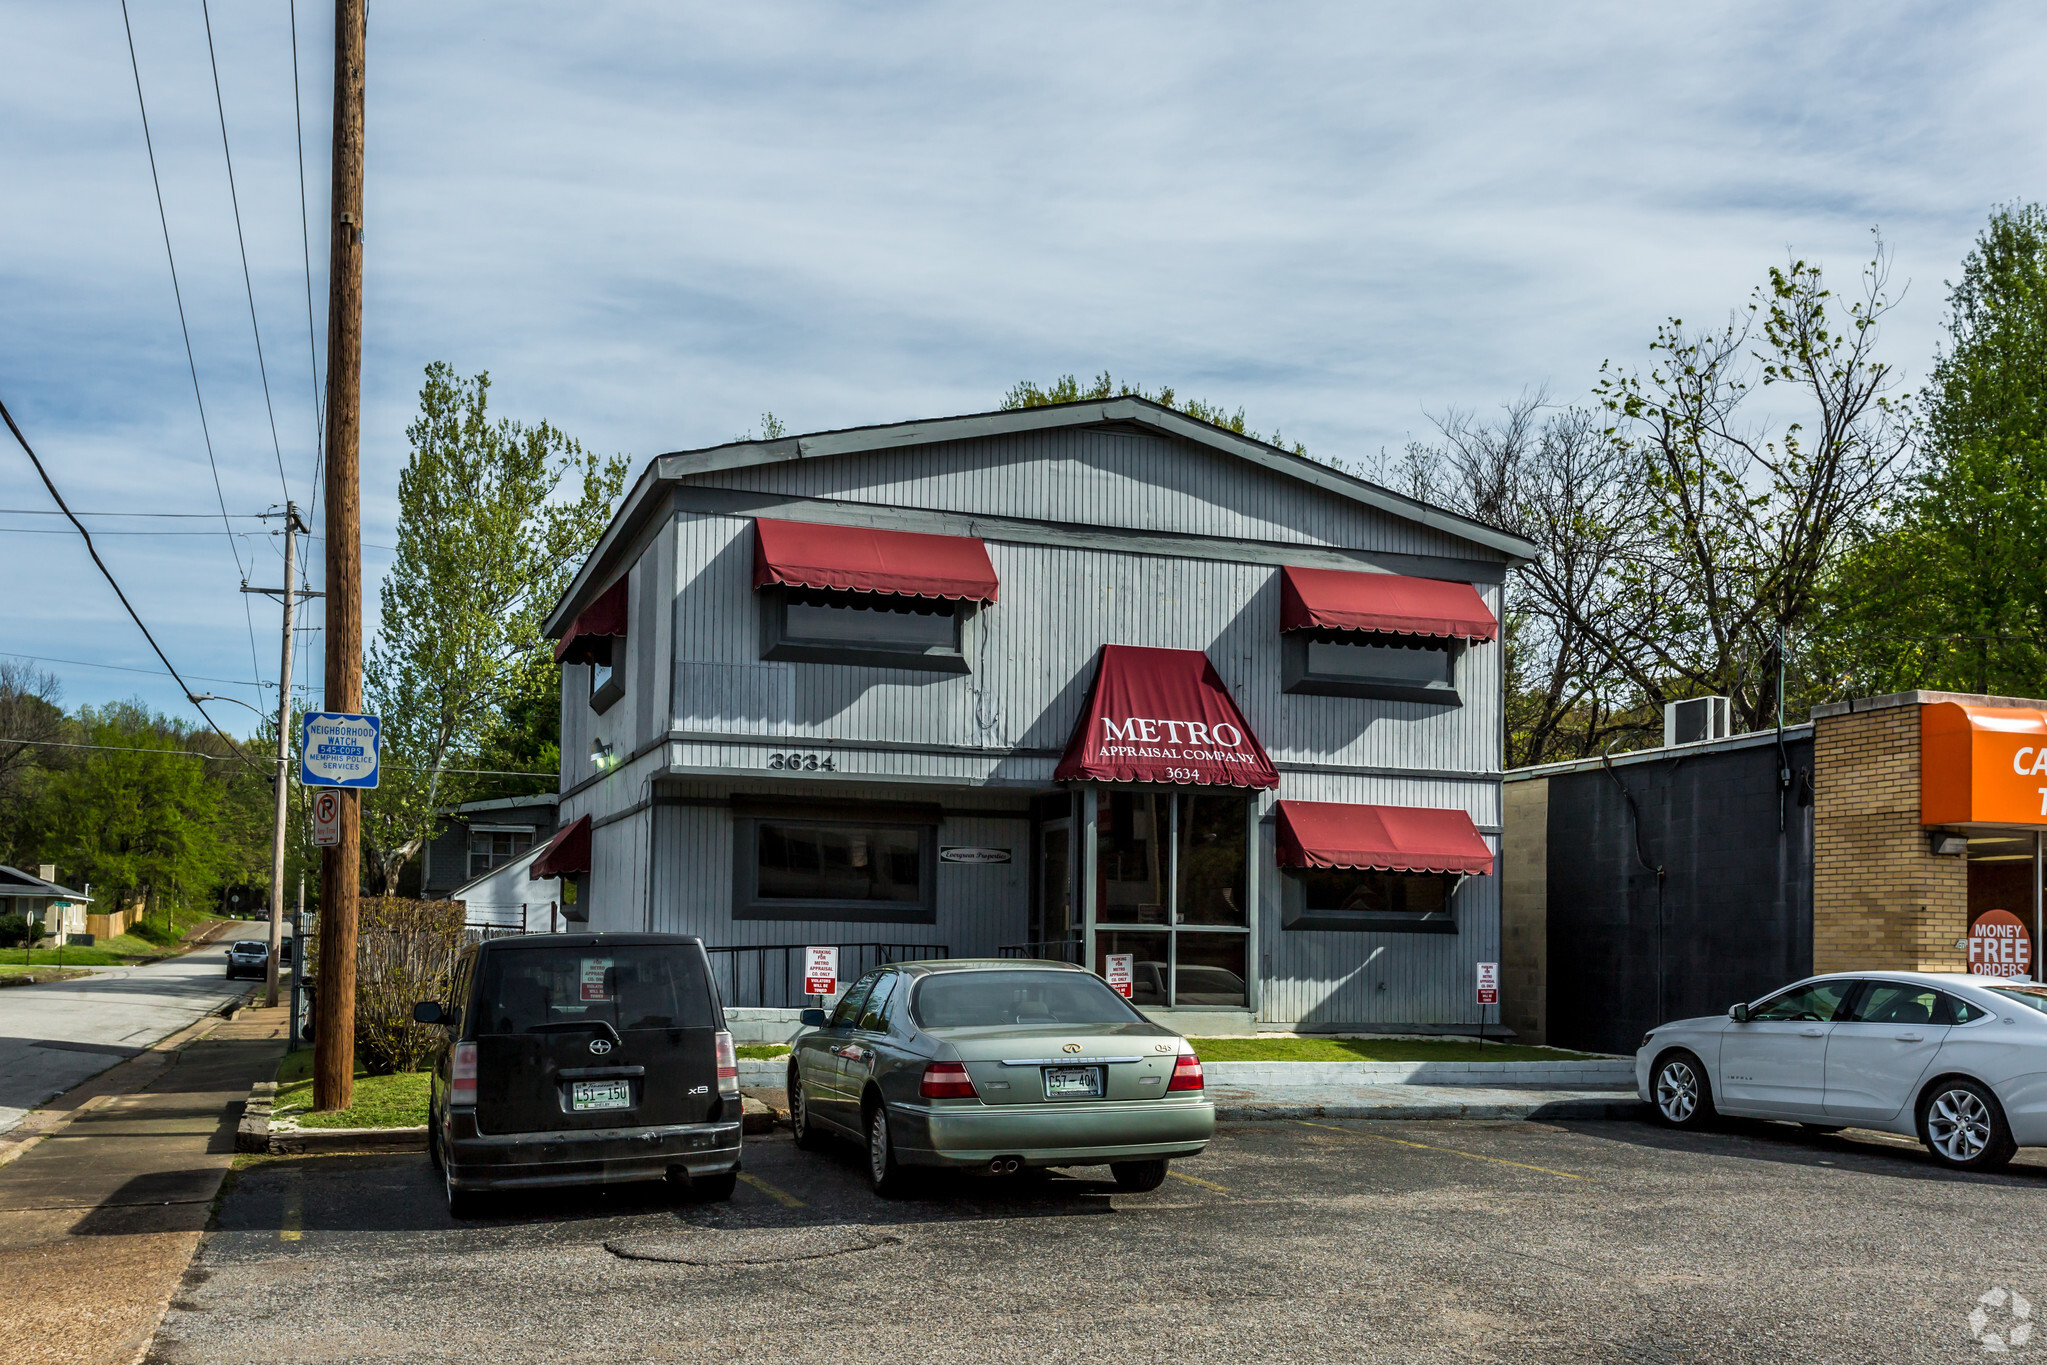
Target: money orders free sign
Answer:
pixel 337 749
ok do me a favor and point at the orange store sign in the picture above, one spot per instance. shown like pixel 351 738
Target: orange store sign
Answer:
pixel 1982 765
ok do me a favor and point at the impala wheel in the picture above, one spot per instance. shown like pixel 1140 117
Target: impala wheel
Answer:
pixel 1963 1126
pixel 1683 1095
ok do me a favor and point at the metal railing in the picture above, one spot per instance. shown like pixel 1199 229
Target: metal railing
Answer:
pixel 770 976
pixel 1046 950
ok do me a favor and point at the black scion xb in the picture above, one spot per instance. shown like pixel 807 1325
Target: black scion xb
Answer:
pixel 577 1059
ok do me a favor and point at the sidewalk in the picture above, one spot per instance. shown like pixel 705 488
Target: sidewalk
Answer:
pixel 106 1192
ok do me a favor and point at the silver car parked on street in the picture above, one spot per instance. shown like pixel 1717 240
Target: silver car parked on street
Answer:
pixel 999 1066
pixel 1959 1062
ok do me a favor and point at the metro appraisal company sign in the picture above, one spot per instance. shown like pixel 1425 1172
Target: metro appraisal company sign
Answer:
pixel 1163 715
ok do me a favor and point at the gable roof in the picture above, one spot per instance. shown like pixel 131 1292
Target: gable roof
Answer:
pixel 16 884
pixel 1143 412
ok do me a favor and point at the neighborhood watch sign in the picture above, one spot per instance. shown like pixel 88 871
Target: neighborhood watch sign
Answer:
pixel 1163 715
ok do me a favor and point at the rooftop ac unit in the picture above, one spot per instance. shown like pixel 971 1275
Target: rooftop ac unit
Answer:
pixel 1696 720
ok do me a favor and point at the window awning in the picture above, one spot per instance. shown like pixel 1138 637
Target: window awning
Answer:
pixel 1330 834
pixel 1162 715
pixel 1982 765
pixel 566 854
pixel 589 639
pixel 1337 599
pixel 802 554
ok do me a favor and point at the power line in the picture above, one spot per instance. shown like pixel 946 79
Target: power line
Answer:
pixel 306 248
pixel 199 516
pixel 190 361
pixel 108 574
pixel 220 758
pixel 235 199
pixel 120 668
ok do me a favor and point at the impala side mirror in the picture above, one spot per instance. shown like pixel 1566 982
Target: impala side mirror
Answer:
pixel 1738 1013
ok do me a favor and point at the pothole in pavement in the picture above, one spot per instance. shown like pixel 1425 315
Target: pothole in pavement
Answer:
pixel 749 1246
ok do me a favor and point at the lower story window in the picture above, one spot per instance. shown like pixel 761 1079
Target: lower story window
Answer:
pixel 1363 899
pixel 793 868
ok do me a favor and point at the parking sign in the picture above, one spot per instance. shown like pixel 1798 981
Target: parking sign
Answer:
pixel 1488 983
pixel 820 971
pixel 1118 972
pixel 340 749
pixel 326 819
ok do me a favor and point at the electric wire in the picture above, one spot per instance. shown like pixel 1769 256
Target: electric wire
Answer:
pixel 248 285
pixel 118 668
pixel 306 249
pixel 108 574
pixel 191 362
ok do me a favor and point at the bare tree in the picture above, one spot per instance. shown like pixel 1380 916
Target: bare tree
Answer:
pixel 30 718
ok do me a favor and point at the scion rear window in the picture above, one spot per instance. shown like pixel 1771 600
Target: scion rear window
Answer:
pixel 993 999
pixel 539 990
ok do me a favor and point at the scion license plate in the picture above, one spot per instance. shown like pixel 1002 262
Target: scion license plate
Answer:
pixel 600 1095
pixel 1062 1082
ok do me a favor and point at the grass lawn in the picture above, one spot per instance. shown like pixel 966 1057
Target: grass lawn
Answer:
pixel 380 1101
pixel 761 1052
pixel 1373 1050
pixel 11 971
pixel 118 951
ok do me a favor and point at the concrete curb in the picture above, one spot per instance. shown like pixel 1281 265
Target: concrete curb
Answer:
pixel 1562 1074
pixel 1253 1108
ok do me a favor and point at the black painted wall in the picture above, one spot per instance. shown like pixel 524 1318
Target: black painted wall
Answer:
pixel 1734 917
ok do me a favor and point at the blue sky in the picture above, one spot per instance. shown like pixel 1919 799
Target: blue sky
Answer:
pixel 653 223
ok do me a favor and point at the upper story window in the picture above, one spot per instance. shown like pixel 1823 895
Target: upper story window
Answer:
pixel 856 595
pixel 596 638
pixel 494 846
pixel 1375 635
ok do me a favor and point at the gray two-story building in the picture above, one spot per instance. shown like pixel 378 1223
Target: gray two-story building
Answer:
pixel 1097 682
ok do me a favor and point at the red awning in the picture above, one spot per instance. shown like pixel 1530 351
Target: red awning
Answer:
pixel 1336 599
pixel 589 639
pixel 566 854
pixel 802 554
pixel 1381 838
pixel 1163 715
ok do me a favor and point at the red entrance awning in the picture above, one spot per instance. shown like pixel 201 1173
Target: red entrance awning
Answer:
pixel 1336 599
pixel 589 639
pixel 1163 715
pixel 1380 838
pixel 802 554
pixel 566 854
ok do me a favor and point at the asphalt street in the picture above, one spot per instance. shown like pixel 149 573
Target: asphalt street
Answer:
pixel 1595 1241
pixel 54 1036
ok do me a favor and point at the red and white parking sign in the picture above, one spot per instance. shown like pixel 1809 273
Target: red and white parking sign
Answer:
pixel 1118 973
pixel 326 818
pixel 1999 945
pixel 1488 983
pixel 820 971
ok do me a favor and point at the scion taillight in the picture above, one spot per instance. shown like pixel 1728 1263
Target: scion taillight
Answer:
pixel 728 1067
pixel 1186 1073
pixel 947 1081
pixel 462 1083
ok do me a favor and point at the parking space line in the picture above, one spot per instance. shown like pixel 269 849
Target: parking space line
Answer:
pixel 782 1197
pixel 1426 1147
pixel 1197 1180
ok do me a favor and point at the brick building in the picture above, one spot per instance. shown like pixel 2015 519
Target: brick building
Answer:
pixel 1899 832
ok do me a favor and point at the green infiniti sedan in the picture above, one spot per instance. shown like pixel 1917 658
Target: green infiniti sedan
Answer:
pixel 997 1066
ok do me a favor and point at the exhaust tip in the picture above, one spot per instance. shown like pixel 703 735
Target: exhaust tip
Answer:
pixel 1005 1165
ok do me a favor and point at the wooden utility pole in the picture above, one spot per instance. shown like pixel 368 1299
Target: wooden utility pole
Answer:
pixel 292 527
pixel 340 867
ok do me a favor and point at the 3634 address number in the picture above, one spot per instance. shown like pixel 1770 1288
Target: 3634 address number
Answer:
pixel 809 763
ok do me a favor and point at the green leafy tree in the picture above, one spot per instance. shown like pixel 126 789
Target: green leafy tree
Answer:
pixel 1067 389
pixel 1950 590
pixel 485 549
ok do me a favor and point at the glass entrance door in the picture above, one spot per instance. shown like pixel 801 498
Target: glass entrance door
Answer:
pixel 1170 886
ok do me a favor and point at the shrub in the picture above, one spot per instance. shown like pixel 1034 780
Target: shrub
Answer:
pixel 14 929
pixel 405 950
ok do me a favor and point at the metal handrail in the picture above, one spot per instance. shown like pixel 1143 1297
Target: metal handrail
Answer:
pixel 782 988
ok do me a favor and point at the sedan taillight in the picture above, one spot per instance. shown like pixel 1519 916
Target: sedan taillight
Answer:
pixel 947 1081
pixel 462 1084
pixel 728 1067
pixel 1186 1073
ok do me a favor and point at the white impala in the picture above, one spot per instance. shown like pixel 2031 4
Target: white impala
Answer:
pixel 1960 1062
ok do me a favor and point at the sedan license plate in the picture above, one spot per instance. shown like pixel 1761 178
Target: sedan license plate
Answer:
pixel 600 1095
pixel 1062 1082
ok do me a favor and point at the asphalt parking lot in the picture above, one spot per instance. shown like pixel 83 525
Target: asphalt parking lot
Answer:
pixel 1407 1242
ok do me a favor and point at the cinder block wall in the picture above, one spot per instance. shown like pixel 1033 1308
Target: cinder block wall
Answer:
pixel 1524 909
pixel 1881 898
